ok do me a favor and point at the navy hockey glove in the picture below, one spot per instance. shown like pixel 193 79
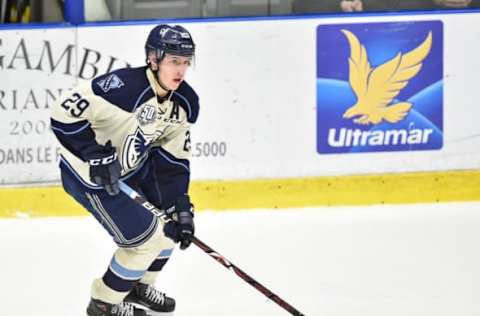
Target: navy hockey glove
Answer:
pixel 105 170
pixel 181 228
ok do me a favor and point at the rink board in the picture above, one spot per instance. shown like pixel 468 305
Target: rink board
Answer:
pixel 264 111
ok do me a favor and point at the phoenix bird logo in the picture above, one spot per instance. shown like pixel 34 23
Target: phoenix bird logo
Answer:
pixel 375 88
pixel 135 148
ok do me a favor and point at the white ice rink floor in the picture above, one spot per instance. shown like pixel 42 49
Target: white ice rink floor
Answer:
pixel 375 261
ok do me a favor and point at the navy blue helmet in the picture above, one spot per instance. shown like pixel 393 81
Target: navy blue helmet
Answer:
pixel 165 39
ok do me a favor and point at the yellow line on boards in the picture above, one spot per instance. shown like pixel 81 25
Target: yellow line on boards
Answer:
pixel 275 193
pixel 337 191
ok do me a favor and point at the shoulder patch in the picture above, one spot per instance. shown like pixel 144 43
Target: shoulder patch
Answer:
pixel 110 82
pixel 110 87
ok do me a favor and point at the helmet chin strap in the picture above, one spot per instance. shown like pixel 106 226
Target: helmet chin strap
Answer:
pixel 161 84
pixel 157 78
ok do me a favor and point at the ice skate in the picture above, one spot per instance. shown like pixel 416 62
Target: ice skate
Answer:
pixel 147 296
pixel 99 308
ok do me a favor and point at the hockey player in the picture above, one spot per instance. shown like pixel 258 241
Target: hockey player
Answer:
pixel 133 125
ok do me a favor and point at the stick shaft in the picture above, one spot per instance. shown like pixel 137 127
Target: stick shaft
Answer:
pixel 212 253
pixel 227 264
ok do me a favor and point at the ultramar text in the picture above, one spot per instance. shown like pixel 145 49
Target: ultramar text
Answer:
pixel 355 137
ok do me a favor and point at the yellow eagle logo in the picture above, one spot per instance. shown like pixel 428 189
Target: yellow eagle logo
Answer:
pixel 376 88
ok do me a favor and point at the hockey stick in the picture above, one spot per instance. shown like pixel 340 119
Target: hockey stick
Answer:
pixel 212 253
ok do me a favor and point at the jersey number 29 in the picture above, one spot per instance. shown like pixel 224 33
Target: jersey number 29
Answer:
pixel 75 105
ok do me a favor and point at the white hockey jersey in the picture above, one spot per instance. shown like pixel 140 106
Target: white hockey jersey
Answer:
pixel 122 107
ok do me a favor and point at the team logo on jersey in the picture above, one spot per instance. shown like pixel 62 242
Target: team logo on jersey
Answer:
pixel 136 148
pixel 147 114
pixel 110 82
pixel 379 87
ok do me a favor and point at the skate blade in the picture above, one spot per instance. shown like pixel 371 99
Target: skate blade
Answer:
pixel 153 313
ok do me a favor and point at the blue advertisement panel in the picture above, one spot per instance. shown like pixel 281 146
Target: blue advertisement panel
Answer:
pixel 379 87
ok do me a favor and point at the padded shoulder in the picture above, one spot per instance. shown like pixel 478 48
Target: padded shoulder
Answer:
pixel 187 98
pixel 127 88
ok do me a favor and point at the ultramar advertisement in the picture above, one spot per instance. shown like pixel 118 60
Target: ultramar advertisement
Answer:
pixel 380 87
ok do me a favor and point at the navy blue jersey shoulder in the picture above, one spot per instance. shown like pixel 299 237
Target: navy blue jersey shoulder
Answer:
pixel 127 88
pixel 188 100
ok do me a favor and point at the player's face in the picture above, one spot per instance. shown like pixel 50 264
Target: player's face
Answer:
pixel 172 70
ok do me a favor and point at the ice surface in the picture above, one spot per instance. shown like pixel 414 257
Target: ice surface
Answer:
pixel 350 261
